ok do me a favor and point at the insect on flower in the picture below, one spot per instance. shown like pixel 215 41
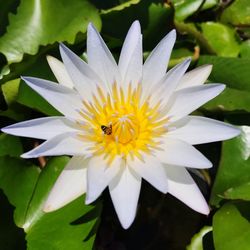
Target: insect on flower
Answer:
pixel 146 108
pixel 107 130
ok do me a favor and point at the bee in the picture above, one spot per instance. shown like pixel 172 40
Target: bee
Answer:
pixel 107 130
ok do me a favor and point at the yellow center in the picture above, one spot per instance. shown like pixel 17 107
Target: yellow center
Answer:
pixel 120 124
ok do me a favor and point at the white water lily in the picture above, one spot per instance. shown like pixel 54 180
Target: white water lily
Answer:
pixel 124 122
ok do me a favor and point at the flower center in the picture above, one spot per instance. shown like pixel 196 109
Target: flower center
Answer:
pixel 119 124
pixel 124 127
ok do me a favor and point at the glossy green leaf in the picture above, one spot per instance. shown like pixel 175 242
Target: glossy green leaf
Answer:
pixel 237 13
pixel 234 72
pixel 45 22
pixel 66 228
pixel 121 6
pixel 245 49
pixel 184 9
pixel 10 91
pixel 233 178
pixel 27 189
pixel 230 100
pixel 10 145
pixel 231 229
pixel 18 180
pixel 196 241
pixel 31 99
pixel 221 38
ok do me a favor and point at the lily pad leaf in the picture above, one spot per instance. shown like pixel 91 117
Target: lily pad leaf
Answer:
pixel 27 189
pixel 221 38
pixel 43 22
pixel 231 228
pixel 237 13
pixel 234 72
pixel 233 178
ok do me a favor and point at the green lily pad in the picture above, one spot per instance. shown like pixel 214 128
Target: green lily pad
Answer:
pixel 184 9
pixel 45 22
pixel 233 178
pixel 221 38
pixel 27 189
pixel 234 72
pixel 231 229
pixel 197 240
pixel 10 145
pixel 237 13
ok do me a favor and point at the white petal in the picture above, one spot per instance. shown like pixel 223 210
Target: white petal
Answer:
pixel 99 175
pixel 60 72
pixel 65 100
pixel 41 128
pixel 151 170
pixel 128 48
pixel 134 70
pixel 180 153
pixel 187 100
pixel 182 186
pixel 70 184
pixel 63 144
pixel 156 64
pixel 163 90
pixel 99 57
pixel 130 61
pixel 125 191
pixel 197 130
pixel 195 77
pixel 83 77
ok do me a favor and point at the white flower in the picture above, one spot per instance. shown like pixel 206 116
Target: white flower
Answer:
pixel 124 122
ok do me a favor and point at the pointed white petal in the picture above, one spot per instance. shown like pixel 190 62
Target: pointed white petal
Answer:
pixel 41 128
pixel 164 89
pixel 152 171
pixel 134 71
pixel 99 175
pixel 63 144
pixel 197 130
pixel 70 184
pixel 130 62
pixel 60 72
pixel 129 46
pixel 99 57
pixel 156 64
pixel 65 100
pixel 187 100
pixel 124 191
pixel 83 77
pixel 195 77
pixel 182 186
pixel 180 153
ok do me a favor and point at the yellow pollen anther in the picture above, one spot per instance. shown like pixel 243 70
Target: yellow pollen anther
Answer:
pixel 119 124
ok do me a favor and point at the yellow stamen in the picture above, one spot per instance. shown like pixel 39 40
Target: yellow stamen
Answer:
pixel 134 127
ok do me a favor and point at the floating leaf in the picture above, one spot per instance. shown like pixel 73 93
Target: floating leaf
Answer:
pixel 10 91
pixel 31 99
pixel 245 49
pixel 10 145
pixel 27 189
pixel 184 9
pixel 231 229
pixel 234 72
pixel 121 6
pixel 233 178
pixel 237 13
pixel 43 22
pixel 196 241
pixel 221 38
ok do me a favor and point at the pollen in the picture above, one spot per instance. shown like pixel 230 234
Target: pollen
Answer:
pixel 120 124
